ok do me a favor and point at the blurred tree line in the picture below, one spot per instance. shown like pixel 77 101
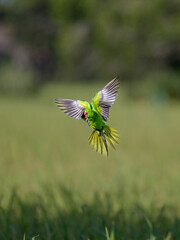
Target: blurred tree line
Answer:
pixel 51 40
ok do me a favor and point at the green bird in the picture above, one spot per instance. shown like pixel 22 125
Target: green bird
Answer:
pixel 95 114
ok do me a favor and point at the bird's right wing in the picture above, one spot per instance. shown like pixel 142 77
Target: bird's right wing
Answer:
pixel 73 108
pixel 105 98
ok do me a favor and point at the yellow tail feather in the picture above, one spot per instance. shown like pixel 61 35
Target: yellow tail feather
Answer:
pixel 101 139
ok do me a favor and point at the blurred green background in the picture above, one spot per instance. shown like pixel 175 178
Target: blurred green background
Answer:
pixel 45 41
pixel 53 185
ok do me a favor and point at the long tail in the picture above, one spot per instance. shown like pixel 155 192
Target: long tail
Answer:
pixel 101 139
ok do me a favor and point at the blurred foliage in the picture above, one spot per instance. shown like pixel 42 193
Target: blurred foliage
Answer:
pixel 45 218
pixel 158 86
pixel 91 39
pixel 15 81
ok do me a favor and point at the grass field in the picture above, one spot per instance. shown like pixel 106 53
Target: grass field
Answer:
pixel 54 186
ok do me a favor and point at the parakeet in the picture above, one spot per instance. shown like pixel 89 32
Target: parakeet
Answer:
pixel 95 114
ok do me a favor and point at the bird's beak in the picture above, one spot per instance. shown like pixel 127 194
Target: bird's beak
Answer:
pixel 85 112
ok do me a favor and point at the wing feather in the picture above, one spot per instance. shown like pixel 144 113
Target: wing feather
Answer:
pixel 105 98
pixel 72 108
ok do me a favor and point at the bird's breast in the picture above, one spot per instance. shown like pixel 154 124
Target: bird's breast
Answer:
pixel 96 121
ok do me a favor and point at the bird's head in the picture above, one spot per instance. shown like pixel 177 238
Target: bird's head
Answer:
pixel 88 112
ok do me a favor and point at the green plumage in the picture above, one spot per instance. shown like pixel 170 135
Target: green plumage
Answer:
pixel 95 114
pixel 94 118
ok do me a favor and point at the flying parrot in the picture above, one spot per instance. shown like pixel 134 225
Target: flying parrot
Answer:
pixel 95 114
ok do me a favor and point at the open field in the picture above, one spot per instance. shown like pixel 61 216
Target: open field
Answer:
pixel 55 186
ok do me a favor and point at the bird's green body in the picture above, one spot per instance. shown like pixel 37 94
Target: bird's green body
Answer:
pixel 95 114
pixel 95 119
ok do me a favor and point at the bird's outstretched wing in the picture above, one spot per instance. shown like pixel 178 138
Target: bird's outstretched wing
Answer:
pixel 105 98
pixel 73 108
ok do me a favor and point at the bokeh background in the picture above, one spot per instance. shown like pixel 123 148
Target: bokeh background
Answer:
pixel 53 185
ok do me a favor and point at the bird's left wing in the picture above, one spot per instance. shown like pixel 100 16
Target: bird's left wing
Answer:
pixel 73 108
pixel 105 98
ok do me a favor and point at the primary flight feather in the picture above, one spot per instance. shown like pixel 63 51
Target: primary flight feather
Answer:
pixel 95 114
